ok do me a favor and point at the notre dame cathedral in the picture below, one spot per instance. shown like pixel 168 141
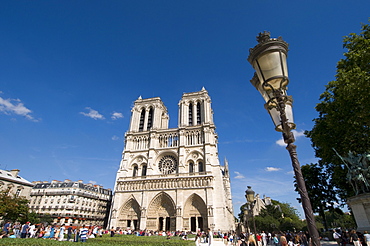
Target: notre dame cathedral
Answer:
pixel 171 179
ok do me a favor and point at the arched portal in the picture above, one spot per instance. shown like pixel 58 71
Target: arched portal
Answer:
pixel 129 216
pixel 195 214
pixel 161 213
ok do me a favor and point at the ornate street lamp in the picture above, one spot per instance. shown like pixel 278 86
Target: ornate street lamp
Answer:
pixel 268 58
pixel 249 195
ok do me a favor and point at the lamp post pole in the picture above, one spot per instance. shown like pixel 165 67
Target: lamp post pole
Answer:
pixel 249 195
pixel 268 58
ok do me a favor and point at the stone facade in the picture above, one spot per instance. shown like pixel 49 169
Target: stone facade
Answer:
pixel 72 202
pixel 17 185
pixel 171 179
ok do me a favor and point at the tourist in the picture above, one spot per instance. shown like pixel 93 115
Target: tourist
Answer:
pixel 337 237
pixel 83 233
pixel 69 232
pixel 17 229
pixel 7 227
pixel 61 233
pixel 77 234
pixel 251 241
pixel 367 238
pixel 353 238
pixel 210 237
pixel 112 232
pixel 264 238
pixel 25 229
pixel 283 241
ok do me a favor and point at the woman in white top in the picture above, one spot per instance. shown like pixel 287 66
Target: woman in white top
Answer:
pixel 367 238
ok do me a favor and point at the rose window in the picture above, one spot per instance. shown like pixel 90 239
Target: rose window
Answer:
pixel 167 164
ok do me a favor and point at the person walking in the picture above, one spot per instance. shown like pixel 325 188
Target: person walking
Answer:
pixel 353 238
pixel 69 232
pixel 367 238
pixel 24 230
pixel 83 233
pixel 61 233
pixel 337 237
pixel 210 237
pixel 7 227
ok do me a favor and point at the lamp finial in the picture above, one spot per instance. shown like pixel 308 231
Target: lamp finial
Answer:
pixel 263 36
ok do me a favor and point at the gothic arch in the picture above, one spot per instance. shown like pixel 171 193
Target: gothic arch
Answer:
pixel 195 213
pixel 129 214
pixel 161 213
pixel 196 158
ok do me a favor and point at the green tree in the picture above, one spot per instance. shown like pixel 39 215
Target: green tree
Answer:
pixel 344 111
pixel 12 207
pixel 336 218
pixel 276 217
pixel 322 194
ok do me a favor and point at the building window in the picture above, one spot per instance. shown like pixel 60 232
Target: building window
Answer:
pixel 134 173
pixel 150 119
pixel 200 167
pixel 142 118
pixel 190 114
pixel 191 167
pixel 199 118
pixel 143 170
pixel 18 192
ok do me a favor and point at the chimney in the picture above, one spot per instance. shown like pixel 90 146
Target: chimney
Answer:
pixel 14 172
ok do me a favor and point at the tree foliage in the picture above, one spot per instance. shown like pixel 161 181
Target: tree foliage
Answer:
pixel 15 208
pixel 336 218
pixel 344 110
pixel 322 194
pixel 276 217
pixel 12 207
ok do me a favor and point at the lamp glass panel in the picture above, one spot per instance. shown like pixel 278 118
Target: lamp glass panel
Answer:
pixel 289 115
pixel 275 116
pixel 270 66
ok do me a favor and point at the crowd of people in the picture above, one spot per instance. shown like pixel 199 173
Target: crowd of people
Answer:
pixel 53 232
pixel 258 239
pixel 82 233
pixel 352 237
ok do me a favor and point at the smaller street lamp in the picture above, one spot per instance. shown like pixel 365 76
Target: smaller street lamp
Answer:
pixel 249 195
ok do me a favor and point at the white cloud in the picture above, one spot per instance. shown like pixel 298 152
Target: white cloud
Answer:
pixel 239 175
pixel 272 169
pixel 115 138
pixel 297 134
pixel 281 142
pixel 15 106
pixel 93 114
pixel 116 115
pixel 92 182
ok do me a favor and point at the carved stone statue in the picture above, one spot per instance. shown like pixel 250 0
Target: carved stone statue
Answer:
pixel 358 174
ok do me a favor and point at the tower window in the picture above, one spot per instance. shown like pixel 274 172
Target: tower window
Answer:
pixel 134 172
pixel 190 114
pixel 143 171
pixel 200 167
pixel 142 118
pixel 199 119
pixel 191 167
pixel 150 119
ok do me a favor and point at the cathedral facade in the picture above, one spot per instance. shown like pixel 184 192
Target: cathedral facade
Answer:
pixel 171 179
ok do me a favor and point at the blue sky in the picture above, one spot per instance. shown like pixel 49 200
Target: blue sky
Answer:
pixel 70 71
